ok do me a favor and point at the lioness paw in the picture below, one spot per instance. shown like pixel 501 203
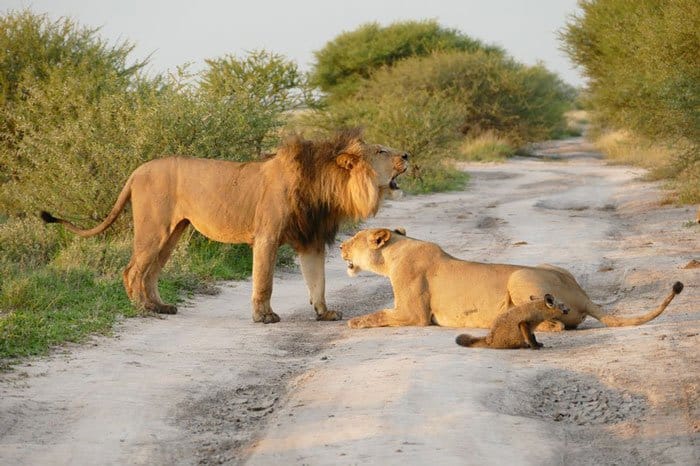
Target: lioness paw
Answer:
pixel 355 322
pixel 550 326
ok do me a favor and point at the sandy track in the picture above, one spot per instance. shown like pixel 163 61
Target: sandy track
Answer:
pixel 208 386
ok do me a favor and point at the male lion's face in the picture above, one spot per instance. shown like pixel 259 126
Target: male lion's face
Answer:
pixel 388 163
pixel 363 251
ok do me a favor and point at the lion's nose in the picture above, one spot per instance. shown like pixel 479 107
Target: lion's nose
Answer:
pixel 405 156
pixel 341 246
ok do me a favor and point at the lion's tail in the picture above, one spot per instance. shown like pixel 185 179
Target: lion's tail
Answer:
pixel 473 342
pixel 612 321
pixel 124 197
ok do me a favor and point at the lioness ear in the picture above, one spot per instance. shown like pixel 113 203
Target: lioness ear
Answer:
pixel 347 161
pixel 400 230
pixel 379 238
pixel 549 300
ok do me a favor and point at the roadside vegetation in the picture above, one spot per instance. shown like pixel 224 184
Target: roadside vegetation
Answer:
pixel 77 115
pixel 642 60
pixel 431 90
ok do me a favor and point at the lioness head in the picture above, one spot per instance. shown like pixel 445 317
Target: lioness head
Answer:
pixel 363 251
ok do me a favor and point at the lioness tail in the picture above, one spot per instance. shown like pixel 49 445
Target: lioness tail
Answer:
pixel 468 340
pixel 613 321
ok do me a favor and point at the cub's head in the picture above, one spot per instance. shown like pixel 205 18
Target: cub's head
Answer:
pixel 552 304
pixel 363 251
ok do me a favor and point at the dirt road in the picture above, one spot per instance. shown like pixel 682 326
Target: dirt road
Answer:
pixel 208 386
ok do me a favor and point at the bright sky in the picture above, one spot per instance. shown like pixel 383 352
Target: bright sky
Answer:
pixel 175 32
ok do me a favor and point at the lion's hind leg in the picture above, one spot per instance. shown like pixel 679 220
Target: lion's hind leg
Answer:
pixel 154 270
pixel 150 252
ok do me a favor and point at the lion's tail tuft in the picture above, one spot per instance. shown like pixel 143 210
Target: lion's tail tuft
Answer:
pixel 677 287
pixel 48 218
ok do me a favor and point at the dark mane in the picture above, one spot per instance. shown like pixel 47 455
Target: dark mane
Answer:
pixel 316 200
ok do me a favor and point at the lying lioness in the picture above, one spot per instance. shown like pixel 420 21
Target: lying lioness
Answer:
pixel 513 329
pixel 430 286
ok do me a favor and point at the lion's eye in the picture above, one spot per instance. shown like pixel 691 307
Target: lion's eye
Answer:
pixel 383 151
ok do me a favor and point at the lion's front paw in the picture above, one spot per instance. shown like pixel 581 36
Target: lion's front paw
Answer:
pixel 268 318
pixel 329 315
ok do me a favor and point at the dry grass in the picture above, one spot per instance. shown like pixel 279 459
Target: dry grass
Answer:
pixel 487 146
pixel 621 147
pixel 678 166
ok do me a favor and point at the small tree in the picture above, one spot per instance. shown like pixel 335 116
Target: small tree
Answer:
pixel 260 88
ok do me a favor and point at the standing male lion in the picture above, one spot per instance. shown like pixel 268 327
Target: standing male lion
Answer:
pixel 298 197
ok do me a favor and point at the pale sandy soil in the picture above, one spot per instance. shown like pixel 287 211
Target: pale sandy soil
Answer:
pixel 208 386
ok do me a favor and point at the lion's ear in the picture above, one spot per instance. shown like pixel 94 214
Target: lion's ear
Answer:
pixel 400 230
pixel 379 238
pixel 347 161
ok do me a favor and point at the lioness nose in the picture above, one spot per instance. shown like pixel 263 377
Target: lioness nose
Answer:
pixel 341 246
pixel 405 156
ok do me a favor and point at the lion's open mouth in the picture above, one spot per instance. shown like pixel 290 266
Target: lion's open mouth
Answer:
pixel 393 185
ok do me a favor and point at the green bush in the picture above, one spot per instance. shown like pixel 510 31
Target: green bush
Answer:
pixel 58 82
pixel 643 63
pixel 427 105
pixel 416 121
pixel 261 87
pixel 354 56
pixel 642 60
pixel 25 245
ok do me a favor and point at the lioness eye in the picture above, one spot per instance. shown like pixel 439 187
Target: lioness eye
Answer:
pixel 383 151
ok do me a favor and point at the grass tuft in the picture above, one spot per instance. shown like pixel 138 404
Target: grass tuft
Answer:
pixel 487 147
